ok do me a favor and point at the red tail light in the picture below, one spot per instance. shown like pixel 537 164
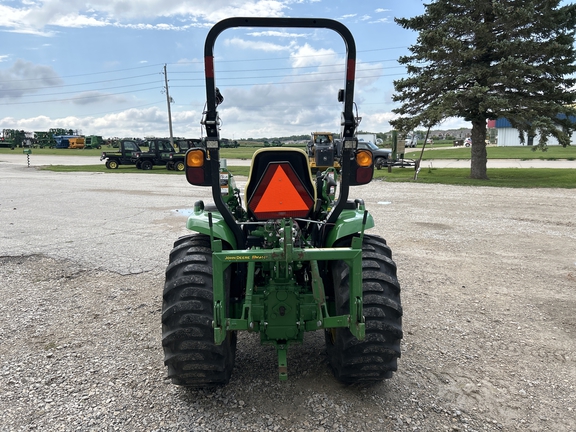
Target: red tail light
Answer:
pixel 197 168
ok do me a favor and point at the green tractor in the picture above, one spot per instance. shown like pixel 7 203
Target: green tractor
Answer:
pixel 292 258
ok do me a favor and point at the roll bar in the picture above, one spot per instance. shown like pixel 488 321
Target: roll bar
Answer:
pixel 348 121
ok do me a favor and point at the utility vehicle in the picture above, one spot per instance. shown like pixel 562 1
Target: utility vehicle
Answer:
pixel 126 154
pixel 160 152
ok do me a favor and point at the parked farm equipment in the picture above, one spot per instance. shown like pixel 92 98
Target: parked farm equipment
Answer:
pixel 12 138
pixel 160 152
pixel 126 154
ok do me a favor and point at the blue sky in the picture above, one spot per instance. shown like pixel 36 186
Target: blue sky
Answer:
pixel 97 66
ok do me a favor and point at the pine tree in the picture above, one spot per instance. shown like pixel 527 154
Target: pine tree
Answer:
pixel 485 59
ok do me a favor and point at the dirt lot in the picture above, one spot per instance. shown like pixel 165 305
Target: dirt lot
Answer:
pixel 489 294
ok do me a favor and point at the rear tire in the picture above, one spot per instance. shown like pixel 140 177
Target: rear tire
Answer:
pixel 374 358
pixel 112 164
pixel 192 357
pixel 179 166
pixel 380 162
pixel 146 165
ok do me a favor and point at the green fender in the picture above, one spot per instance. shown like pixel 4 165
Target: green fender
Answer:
pixel 349 222
pixel 198 222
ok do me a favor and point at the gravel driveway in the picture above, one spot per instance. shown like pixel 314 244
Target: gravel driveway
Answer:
pixel 489 293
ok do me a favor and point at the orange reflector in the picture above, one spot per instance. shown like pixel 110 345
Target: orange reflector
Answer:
pixel 280 194
pixel 195 158
pixel 364 158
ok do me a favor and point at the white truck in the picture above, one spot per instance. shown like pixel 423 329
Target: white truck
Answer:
pixel 411 141
pixel 367 137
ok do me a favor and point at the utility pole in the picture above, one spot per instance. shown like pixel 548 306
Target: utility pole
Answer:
pixel 168 100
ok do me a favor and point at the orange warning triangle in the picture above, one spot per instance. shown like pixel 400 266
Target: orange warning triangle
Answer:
pixel 280 195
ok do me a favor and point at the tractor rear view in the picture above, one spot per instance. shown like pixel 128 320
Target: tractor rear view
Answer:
pixel 290 257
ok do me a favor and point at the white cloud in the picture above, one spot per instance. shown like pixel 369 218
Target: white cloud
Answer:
pixel 306 55
pixel 132 122
pixel 381 20
pixel 255 45
pixel 273 33
pixel 78 21
pixel 35 17
pixel 377 121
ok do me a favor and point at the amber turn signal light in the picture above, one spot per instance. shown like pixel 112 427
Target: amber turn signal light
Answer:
pixel 364 158
pixel 195 158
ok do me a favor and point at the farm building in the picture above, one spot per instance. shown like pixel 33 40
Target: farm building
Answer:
pixel 508 136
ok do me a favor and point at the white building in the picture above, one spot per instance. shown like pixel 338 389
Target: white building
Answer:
pixel 508 136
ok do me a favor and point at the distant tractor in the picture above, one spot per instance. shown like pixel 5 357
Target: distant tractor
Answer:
pixel 323 151
pixel 93 142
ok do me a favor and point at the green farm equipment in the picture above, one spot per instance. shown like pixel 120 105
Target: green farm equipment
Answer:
pixel 227 143
pixel 291 259
pixel 93 142
pixel 12 138
pixel 44 139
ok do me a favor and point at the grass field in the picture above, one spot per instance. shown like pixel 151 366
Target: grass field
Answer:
pixel 519 152
pixel 498 177
pixel 430 153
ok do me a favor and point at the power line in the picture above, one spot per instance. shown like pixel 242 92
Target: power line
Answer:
pixel 122 109
pixel 289 82
pixel 89 90
pixel 86 74
pixel 222 83
pixel 78 98
pixel 282 68
pixel 200 62
pixel 289 57
pixel 80 84
pixel 283 76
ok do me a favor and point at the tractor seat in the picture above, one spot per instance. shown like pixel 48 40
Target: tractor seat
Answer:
pixel 280 184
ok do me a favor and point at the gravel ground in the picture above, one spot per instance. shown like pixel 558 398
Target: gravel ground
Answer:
pixel 488 278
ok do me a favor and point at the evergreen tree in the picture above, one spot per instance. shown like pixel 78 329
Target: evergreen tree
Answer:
pixel 485 59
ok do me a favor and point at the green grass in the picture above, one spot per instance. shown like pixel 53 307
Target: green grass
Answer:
pixel 238 153
pixel 446 152
pixel 60 152
pixel 518 152
pixel 498 177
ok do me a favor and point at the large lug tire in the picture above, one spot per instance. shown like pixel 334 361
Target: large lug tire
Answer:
pixel 380 162
pixel 169 166
pixel 374 358
pixel 111 164
pixel 192 357
pixel 146 165
pixel 139 165
pixel 179 166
